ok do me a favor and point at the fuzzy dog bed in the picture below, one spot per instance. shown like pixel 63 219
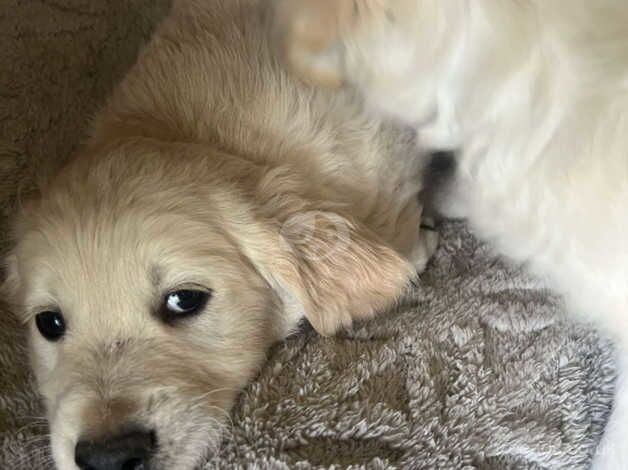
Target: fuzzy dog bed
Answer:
pixel 474 369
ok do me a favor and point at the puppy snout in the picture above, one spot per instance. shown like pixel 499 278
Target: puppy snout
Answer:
pixel 129 451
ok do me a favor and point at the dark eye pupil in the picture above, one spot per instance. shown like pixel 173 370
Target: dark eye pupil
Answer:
pixel 185 302
pixel 186 299
pixel 51 325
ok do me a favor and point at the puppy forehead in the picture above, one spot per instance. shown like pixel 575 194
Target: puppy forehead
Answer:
pixel 124 260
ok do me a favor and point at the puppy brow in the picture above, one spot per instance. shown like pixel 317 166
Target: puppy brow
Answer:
pixel 155 274
pixel 25 315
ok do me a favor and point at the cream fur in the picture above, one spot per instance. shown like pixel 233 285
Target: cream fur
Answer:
pixel 208 166
pixel 535 95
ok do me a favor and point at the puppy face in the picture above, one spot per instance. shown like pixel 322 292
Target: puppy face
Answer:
pixel 141 317
pixel 152 287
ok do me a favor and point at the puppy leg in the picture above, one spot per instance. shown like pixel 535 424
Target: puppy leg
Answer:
pixel 426 246
pixel 415 235
pixel 612 452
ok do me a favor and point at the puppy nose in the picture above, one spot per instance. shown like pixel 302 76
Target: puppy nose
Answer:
pixel 129 451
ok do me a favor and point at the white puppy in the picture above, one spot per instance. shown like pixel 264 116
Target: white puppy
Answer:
pixel 535 94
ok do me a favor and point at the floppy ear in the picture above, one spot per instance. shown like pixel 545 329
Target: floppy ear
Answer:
pixel 322 264
pixel 336 270
pixel 10 284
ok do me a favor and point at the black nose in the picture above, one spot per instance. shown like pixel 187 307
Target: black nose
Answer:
pixel 129 451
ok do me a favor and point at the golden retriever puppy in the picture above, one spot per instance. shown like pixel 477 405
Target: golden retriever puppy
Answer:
pixel 535 96
pixel 216 204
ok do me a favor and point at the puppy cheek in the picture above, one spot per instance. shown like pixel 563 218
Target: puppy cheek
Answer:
pixel 43 358
pixel 188 429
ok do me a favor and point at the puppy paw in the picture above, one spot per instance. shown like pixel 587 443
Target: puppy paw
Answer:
pixel 427 244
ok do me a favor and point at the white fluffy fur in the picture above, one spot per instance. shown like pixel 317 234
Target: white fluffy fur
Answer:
pixel 535 95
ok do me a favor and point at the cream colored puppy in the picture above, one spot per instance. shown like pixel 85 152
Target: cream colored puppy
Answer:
pixel 216 204
pixel 535 94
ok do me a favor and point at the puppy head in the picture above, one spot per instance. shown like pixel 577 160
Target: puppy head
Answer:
pixel 153 279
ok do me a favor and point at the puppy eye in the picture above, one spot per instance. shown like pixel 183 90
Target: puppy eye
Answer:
pixel 184 303
pixel 51 325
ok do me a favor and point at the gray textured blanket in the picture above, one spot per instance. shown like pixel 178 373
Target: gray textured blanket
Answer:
pixel 475 368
